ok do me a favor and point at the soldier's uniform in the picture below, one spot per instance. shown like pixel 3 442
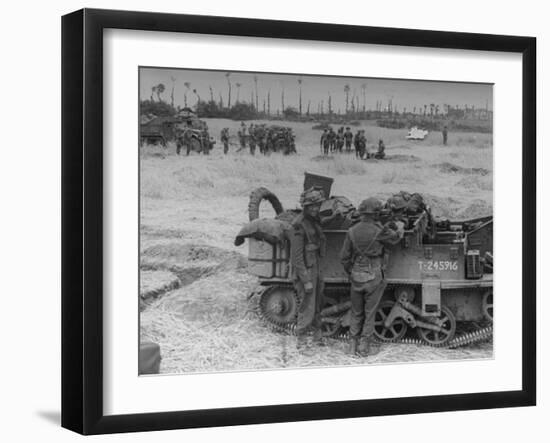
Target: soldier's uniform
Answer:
pixel 331 139
pixel 225 140
pixel 363 258
pixel 381 148
pixel 307 247
pixel 445 135
pixel 325 142
pixel 348 136
pixel 360 144
pixel 252 139
pixel 340 140
pixel 242 136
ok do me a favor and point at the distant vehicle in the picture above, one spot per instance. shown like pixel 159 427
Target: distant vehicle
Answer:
pixel 192 133
pixel 416 134
pixel 157 130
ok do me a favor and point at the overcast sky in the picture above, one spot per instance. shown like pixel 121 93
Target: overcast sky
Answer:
pixel 405 93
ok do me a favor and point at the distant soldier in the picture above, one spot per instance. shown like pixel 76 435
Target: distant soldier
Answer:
pixel 348 137
pixel 340 140
pixel 331 139
pixel 242 136
pixel 361 145
pixel 224 136
pixel 324 142
pixel 252 139
pixel 307 247
pixel 363 257
pixel 380 154
pixel 261 137
pixel 356 140
pixel 184 138
pixel 445 135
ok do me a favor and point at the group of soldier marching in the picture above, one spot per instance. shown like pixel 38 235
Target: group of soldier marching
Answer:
pixel 363 256
pixel 336 141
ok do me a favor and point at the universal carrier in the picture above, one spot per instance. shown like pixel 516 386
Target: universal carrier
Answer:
pixel 439 276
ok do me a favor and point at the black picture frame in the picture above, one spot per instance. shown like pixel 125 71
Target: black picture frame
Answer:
pixel 82 220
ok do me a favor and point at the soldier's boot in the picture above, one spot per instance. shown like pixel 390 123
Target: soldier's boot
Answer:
pixel 353 342
pixel 301 343
pixel 368 347
pixel 318 337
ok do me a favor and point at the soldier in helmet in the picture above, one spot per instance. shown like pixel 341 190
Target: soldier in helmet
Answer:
pixel 252 139
pixel 363 258
pixel 348 137
pixel 224 136
pixel 307 246
pixel 324 142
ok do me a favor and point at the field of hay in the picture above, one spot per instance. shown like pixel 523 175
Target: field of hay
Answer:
pixel 192 208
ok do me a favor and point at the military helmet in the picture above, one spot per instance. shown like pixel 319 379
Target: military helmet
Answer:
pixel 370 205
pixel 312 196
pixel 397 203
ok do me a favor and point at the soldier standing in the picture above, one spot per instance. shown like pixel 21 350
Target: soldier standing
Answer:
pixel 356 141
pixel 363 257
pixel 340 139
pixel 331 139
pixel 224 136
pixel 445 135
pixel 324 143
pixel 360 145
pixel 242 136
pixel 307 246
pixel 348 136
pixel 252 139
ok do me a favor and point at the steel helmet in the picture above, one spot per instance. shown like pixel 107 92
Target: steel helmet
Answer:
pixel 312 196
pixel 397 203
pixel 370 205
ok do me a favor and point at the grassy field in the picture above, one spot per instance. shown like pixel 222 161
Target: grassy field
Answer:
pixel 192 208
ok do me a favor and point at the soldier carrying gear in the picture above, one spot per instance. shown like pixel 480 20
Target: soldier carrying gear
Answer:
pixel 445 132
pixel 363 257
pixel 307 247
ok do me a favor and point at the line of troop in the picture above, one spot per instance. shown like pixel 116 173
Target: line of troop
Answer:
pixel 332 142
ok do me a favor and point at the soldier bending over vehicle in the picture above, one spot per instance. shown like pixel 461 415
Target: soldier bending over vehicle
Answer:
pixel 363 256
pixel 307 246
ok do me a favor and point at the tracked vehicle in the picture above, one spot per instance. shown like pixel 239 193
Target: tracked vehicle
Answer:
pixel 440 276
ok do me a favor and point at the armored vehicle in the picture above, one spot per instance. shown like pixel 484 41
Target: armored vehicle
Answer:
pixel 158 130
pixel 439 276
pixel 192 133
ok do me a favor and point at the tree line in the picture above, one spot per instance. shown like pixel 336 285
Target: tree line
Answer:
pixel 230 104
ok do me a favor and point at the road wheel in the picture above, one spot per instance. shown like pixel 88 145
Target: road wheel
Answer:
pixel 397 329
pixel 440 338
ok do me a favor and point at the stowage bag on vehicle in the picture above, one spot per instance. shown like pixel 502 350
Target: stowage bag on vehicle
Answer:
pixel 268 229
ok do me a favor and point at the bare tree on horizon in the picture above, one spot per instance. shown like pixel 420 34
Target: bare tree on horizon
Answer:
pixel 227 74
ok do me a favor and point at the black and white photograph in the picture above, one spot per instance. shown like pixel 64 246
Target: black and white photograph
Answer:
pixel 294 221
